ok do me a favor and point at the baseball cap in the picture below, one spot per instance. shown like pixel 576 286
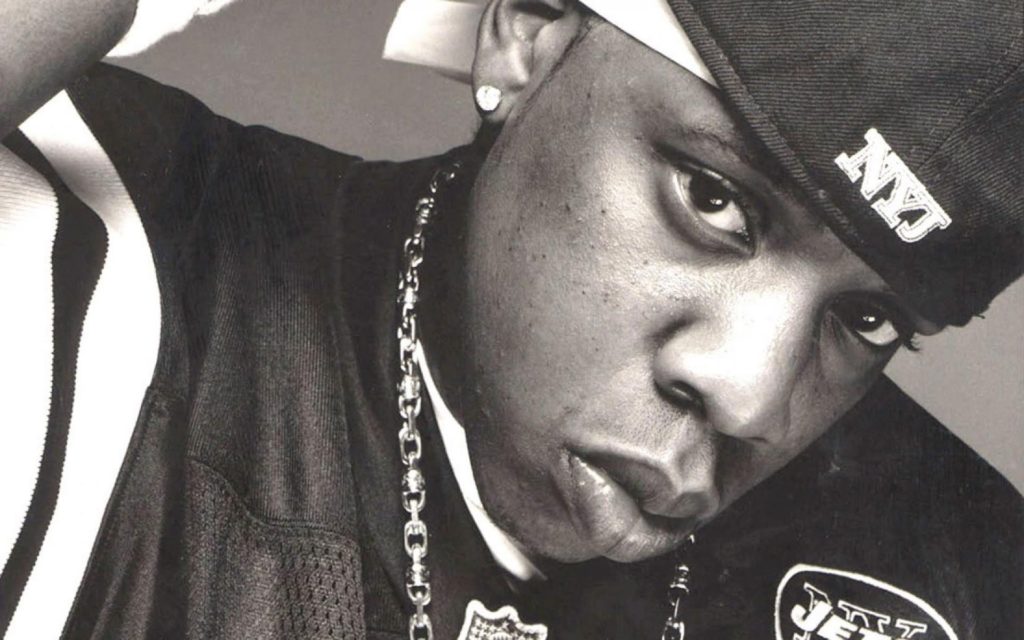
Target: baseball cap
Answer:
pixel 901 122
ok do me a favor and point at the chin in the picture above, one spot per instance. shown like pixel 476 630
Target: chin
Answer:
pixel 563 553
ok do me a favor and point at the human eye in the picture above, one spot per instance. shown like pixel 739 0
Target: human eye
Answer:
pixel 716 202
pixel 873 323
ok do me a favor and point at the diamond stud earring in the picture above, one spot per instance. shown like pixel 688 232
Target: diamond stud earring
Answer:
pixel 488 98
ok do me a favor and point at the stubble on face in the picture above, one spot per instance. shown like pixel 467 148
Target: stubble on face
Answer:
pixel 579 292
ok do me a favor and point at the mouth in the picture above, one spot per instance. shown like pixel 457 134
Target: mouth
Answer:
pixel 610 519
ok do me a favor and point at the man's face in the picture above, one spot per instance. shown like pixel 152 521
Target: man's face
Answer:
pixel 654 323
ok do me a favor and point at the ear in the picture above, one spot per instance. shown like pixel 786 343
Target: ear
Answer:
pixel 518 44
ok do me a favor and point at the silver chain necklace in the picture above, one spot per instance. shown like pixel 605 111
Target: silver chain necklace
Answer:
pixel 410 403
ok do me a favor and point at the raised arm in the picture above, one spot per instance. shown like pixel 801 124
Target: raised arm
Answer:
pixel 44 44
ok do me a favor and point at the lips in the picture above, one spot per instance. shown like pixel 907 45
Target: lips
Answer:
pixel 610 519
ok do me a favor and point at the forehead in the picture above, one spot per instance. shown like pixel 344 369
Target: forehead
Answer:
pixel 637 88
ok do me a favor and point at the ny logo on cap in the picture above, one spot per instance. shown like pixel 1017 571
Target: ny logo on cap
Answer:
pixel 879 165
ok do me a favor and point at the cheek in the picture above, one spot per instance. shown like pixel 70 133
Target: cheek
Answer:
pixel 539 309
pixel 556 244
pixel 558 272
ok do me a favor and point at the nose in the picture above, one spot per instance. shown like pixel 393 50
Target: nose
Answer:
pixel 742 355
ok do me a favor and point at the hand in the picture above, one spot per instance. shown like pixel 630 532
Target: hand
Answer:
pixel 44 44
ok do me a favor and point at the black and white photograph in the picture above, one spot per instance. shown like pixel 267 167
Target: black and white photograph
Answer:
pixel 511 319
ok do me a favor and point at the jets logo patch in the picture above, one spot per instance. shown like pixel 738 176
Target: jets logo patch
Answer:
pixel 908 208
pixel 815 603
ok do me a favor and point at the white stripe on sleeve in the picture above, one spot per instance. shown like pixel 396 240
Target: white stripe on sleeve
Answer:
pixel 116 358
pixel 28 226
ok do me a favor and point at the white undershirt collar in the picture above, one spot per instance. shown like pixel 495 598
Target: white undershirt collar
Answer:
pixel 506 551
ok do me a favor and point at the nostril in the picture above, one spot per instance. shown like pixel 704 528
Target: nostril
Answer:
pixel 682 393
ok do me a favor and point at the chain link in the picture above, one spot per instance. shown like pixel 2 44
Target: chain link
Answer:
pixel 675 628
pixel 410 403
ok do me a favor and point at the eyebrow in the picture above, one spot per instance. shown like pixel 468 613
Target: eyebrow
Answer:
pixel 756 159
pixel 700 133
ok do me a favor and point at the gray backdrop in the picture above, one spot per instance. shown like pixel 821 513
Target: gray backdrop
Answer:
pixel 313 68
